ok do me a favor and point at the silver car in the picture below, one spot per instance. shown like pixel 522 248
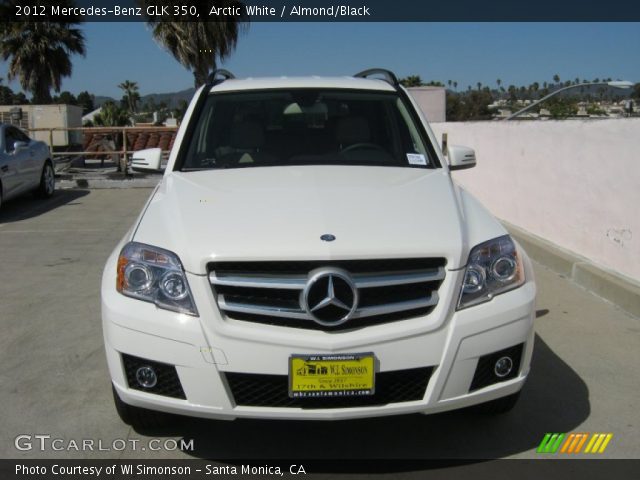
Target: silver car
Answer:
pixel 25 165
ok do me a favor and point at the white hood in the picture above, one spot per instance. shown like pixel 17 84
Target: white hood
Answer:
pixel 279 213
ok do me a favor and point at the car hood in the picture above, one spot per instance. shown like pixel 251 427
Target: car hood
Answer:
pixel 278 213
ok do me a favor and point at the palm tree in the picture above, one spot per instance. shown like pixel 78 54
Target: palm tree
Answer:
pixel 412 81
pixel 455 85
pixel 39 52
pixel 111 115
pixel 131 94
pixel 198 45
pixel 535 86
pixel 556 78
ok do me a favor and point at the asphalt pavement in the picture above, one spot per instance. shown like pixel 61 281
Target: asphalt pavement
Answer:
pixel 55 382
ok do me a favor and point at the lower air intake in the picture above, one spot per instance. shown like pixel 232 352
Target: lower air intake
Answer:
pixel 273 390
pixel 485 374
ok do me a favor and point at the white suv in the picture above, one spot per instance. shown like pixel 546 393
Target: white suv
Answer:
pixel 308 256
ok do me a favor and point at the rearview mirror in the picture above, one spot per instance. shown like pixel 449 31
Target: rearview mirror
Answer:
pixel 148 160
pixel 19 145
pixel 460 157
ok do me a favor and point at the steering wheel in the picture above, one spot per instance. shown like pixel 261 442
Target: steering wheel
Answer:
pixel 363 146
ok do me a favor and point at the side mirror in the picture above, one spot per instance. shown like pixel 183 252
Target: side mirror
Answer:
pixel 460 157
pixel 19 145
pixel 148 160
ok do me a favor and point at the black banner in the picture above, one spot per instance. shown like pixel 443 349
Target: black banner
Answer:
pixel 323 10
pixel 582 469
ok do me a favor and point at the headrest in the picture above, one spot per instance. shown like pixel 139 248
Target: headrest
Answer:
pixel 352 130
pixel 247 136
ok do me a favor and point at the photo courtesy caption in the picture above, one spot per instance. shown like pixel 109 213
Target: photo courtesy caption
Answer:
pixel 141 469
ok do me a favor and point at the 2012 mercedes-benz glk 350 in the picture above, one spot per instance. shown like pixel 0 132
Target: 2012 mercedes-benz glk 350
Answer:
pixel 308 256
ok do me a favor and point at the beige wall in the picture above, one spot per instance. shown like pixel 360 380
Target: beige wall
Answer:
pixel 52 116
pixel 575 183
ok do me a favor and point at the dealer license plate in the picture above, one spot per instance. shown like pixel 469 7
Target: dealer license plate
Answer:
pixel 338 375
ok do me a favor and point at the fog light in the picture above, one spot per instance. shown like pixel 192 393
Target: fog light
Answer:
pixel 146 377
pixel 503 367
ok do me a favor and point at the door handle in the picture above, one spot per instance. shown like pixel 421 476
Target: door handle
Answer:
pixel 4 168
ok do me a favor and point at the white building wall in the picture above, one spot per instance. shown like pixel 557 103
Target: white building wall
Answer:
pixel 575 183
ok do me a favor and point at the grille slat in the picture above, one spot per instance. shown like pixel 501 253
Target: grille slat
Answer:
pixel 297 282
pixel 255 309
pixel 271 292
pixel 257 390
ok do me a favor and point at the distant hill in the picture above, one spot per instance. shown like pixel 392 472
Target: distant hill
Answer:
pixel 99 100
pixel 171 99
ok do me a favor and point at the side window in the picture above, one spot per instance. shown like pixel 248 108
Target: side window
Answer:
pixel 21 136
pixel 9 139
pixel 417 145
pixel 12 135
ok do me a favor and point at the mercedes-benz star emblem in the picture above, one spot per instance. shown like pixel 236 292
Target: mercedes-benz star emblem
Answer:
pixel 330 296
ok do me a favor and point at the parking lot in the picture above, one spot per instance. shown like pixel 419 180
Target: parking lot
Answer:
pixel 55 382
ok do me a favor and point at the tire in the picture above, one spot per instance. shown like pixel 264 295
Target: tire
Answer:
pixel 498 406
pixel 139 418
pixel 47 181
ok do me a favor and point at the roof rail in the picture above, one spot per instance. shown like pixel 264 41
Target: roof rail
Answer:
pixel 388 75
pixel 220 72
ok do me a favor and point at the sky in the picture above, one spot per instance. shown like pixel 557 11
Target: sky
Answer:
pixel 516 53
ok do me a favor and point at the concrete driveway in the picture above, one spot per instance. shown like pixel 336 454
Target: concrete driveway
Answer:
pixel 54 377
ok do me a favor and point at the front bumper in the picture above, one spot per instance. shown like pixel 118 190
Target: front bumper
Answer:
pixel 203 349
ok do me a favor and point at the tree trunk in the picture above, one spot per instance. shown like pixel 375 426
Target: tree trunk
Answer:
pixel 200 74
pixel 41 94
pixel 200 78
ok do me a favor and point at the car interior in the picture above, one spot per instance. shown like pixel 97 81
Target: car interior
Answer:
pixel 303 128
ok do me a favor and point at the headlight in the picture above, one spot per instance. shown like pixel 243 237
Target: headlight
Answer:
pixel 154 275
pixel 494 267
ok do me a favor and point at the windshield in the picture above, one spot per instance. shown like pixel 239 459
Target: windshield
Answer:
pixel 306 127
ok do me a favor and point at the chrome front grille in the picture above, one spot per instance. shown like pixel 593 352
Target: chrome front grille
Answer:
pixel 273 292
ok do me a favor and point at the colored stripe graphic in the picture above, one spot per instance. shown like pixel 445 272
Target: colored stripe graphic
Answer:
pixel 574 443
pixel 598 443
pixel 584 439
pixel 550 443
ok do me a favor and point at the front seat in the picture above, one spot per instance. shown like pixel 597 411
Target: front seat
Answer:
pixel 247 140
pixel 351 131
pixel 356 144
